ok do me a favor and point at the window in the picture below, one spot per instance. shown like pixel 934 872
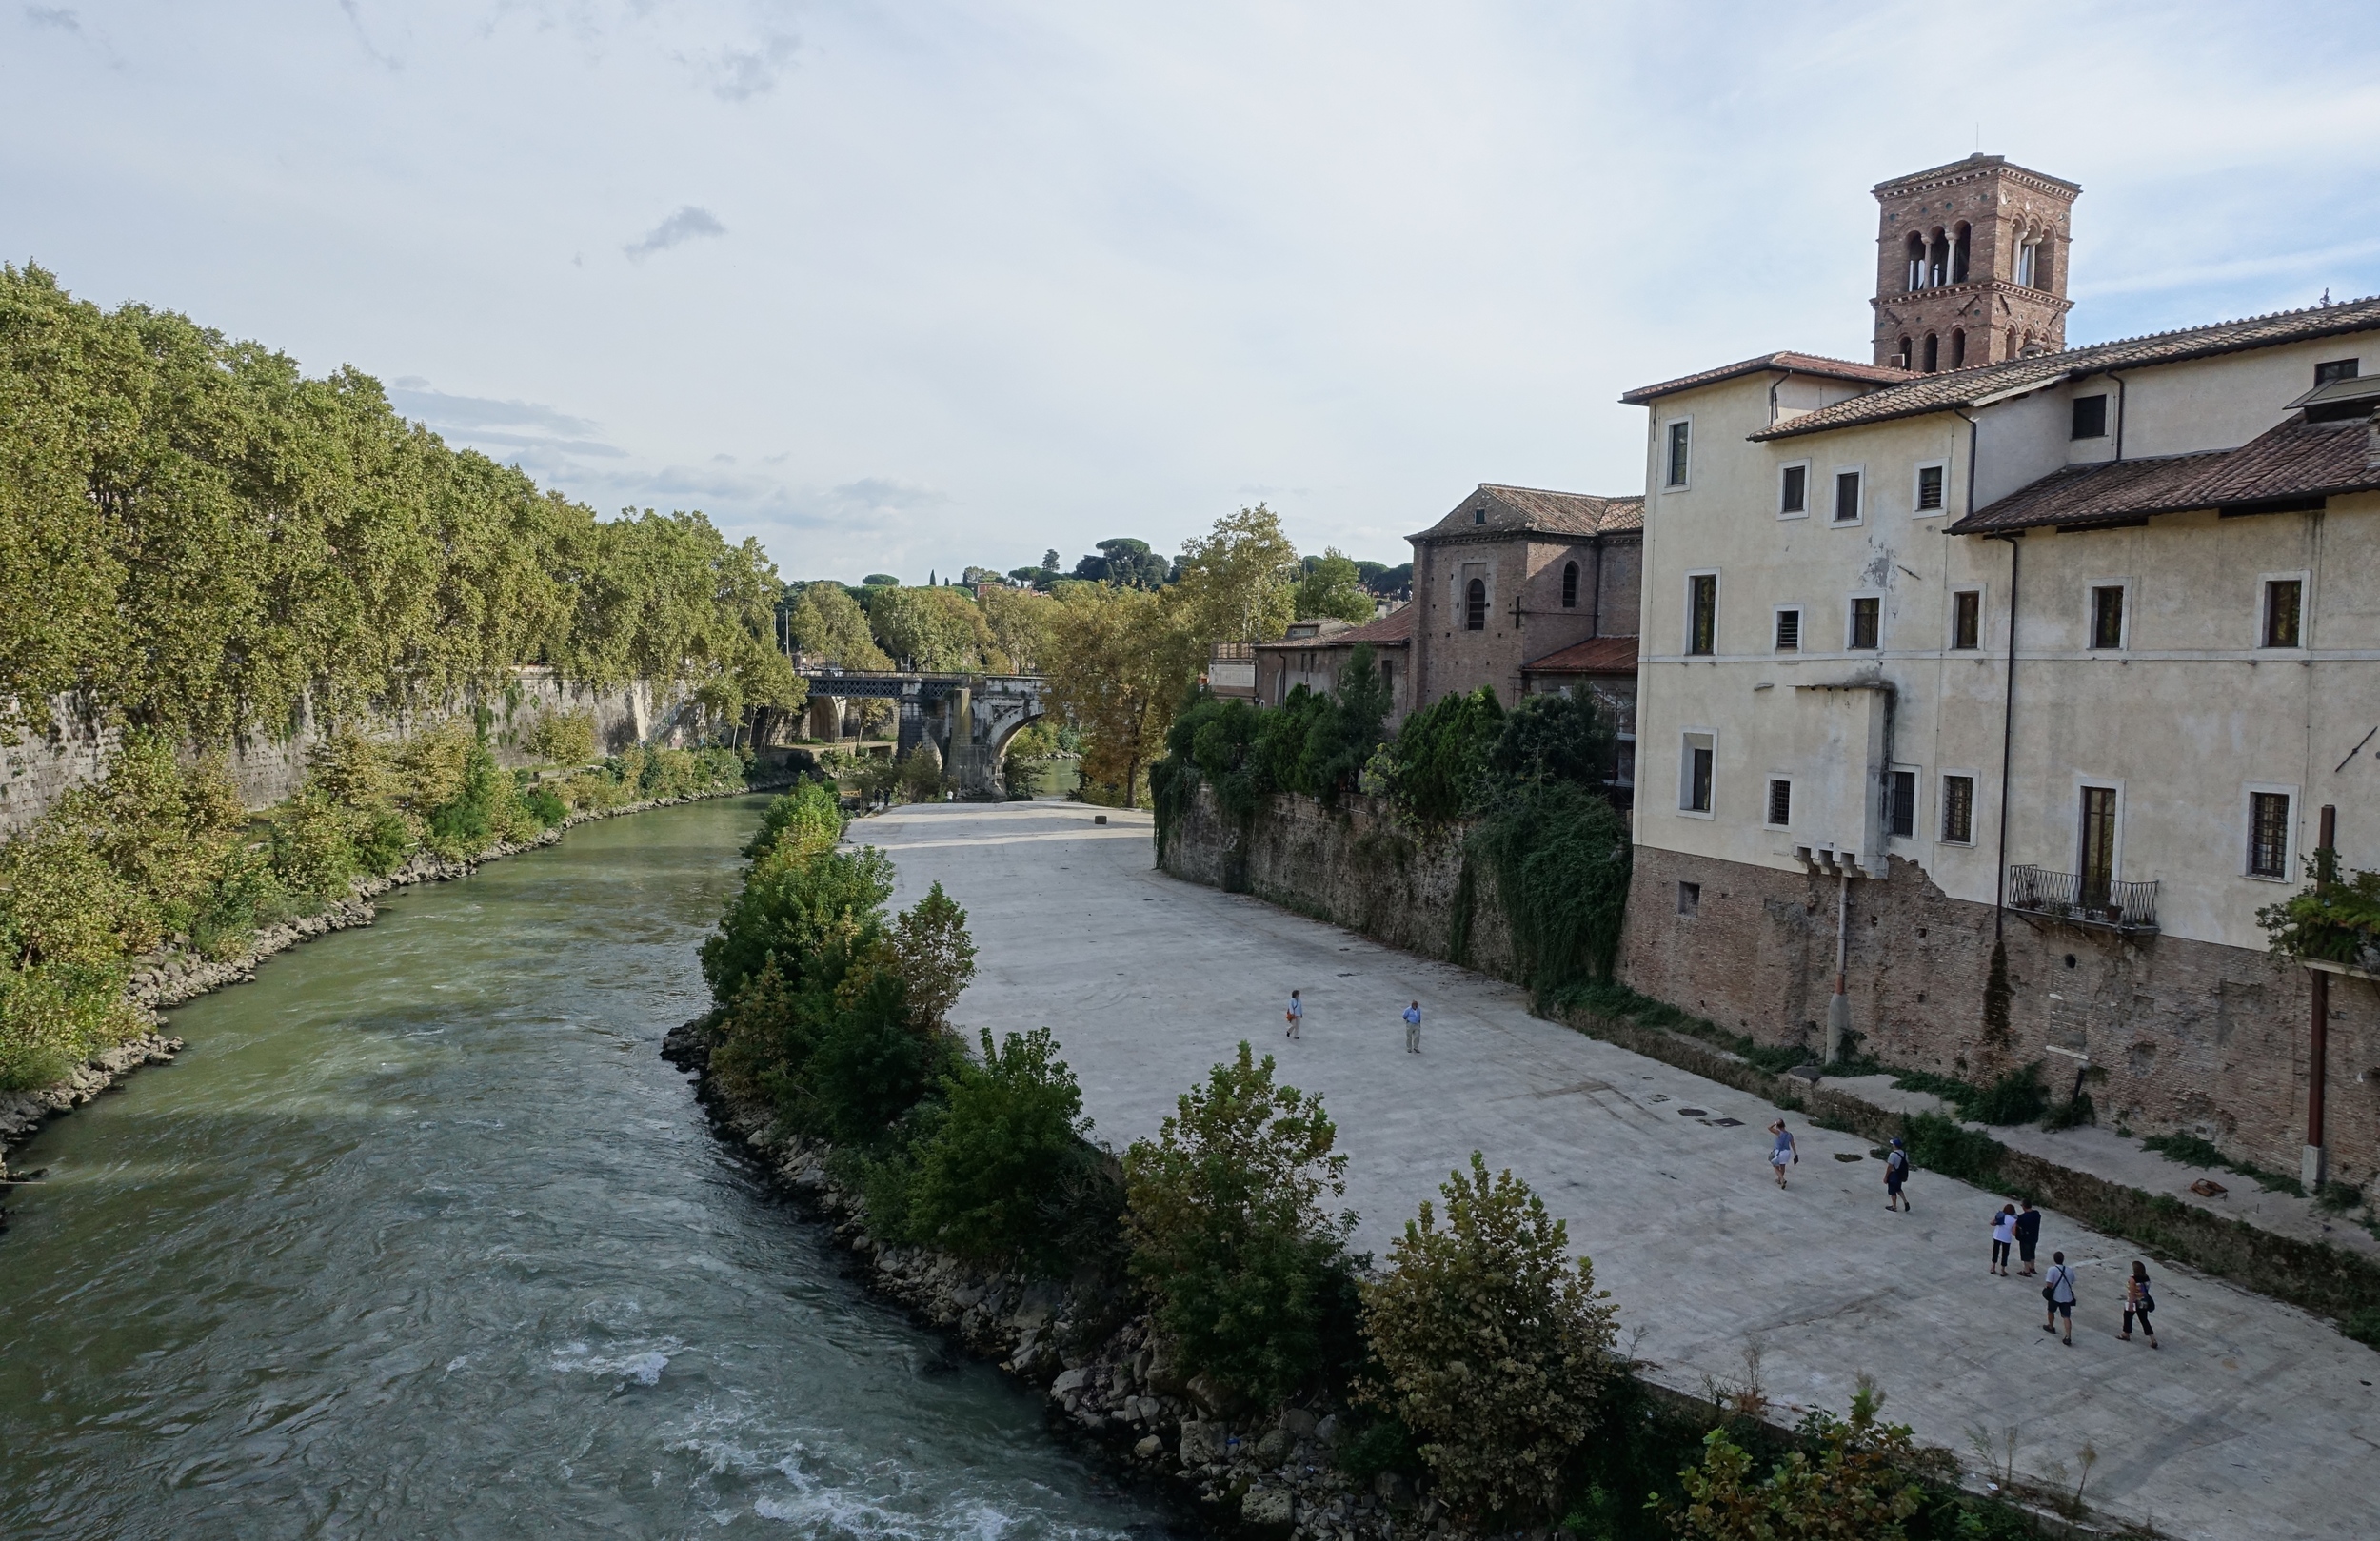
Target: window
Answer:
pixel 2268 834
pixel 1929 499
pixel 1478 515
pixel 2091 417
pixel 1792 491
pixel 1866 615
pixel 1677 435
pixel 2107 617
pixel 1846 495
pixel 1958 810
pixel 1702 613
pixel 1934 352
pixel 1902 814
pixel 2282 601
pixel 1624 762
pixel 2098 845
pixel 1958 336
pixel 1388 678
pixel 1780 803
pixel 1789 630
pixel 2337 369
pixel 1474 605
pixel 1967 620
pixel 1570 586
pixel 1904 349
pixel 1698 752
pixel 1689 898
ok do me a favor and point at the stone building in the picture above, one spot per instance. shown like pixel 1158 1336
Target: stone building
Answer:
pixel 1971 264
pixel 1514 575
pixel 2020 689
pixel 1314 652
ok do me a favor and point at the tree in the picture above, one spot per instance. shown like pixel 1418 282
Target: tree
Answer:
pixel 1342 737
pixel 1855 1488
pixel 1556 737
pixel 933 955
pixel 825 623
pixel 880 580
pixel 1333 588
pixel 939 630
pixel 1494 1345
pixel 1238 582
pixel 1018 620
pixel 1228 1231
pixel 1117 664
pixel 1011 1137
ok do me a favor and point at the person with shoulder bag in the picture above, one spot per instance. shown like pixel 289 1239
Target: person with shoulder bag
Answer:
pixel 2057 1288
pixel 2138 1302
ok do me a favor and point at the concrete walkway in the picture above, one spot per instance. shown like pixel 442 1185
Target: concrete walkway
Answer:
pixel 2254 1420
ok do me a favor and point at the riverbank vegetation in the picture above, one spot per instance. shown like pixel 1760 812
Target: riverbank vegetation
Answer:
pixel 1481 1364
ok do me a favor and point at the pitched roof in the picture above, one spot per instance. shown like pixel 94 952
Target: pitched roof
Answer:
pixel 2297 460
pixel 1800 363
pixel 1534 510
pixel 1976 162
pixel 1394 630
pixel 1987 383
pixel 1597 655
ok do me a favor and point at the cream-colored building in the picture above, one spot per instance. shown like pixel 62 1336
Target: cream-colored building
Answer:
pixel 2022 688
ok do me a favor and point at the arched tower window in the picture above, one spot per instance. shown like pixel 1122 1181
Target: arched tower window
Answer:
pixel 1958 347
pixel 1938 260
pixel 1906 355
pixel 1934 352
pixel 1958 253
pixel 1474 605
pixel 2011 342
pixel 1917 257
pixel 1570 586
pixel 2041 279
pixel 2025 252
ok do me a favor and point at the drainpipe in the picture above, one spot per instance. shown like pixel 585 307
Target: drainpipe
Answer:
pixel 1839 1008
pixel 2007 736
pixel 2120 416
pixel 2314 1166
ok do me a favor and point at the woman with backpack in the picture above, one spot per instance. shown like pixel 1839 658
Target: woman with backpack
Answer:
pixel 2138 1302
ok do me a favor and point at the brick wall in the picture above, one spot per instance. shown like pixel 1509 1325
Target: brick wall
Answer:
pixel 2194 1036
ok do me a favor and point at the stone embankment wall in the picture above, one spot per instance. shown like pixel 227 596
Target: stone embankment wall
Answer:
pixel 1354 866
pixel 41 768
pixel 2180 1036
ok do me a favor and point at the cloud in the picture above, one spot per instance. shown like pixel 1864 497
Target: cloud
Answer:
pixel 57 16
pixel 685 224
pixel 372 50
pixel 740 74
pixel 413 396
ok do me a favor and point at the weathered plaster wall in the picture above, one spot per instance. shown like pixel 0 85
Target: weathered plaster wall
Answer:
pixel 1354 867
pixel 2196 1036
pixel 37 771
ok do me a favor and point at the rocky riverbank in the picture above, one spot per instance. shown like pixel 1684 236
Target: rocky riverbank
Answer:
pixel 164 980
pixel 1268 1473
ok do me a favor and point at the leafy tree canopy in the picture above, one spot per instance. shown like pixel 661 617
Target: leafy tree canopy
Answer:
pixel 1333 588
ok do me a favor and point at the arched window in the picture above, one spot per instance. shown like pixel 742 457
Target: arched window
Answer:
pixel 1959 254
pixel 1474 605
pixel 1958 347
pixel 2041 263
pixel 1934 352
pixel 1570 586
pixel 1917 257
pixel 2025 249
pixel 2012 344
pixel 1906 354
pixel 1938 260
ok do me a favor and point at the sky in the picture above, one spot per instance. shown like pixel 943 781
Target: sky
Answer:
pixel 901 288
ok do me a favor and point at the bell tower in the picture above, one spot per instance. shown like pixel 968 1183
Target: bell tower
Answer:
pixel 1971 264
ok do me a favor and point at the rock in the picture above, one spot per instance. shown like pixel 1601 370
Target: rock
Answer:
pixel 1298 1422
pixel 1073 1380
pixel 1204 1442
pixel 1389 1488
pixel 1149 1448
pixel 1202 1389
pixel 1274 1448
pixel 1272 1508
pixel 1327 1431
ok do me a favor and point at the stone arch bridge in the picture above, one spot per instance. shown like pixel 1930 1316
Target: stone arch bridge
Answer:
pixel 968 718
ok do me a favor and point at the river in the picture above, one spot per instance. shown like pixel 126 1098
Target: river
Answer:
pixel 420 1238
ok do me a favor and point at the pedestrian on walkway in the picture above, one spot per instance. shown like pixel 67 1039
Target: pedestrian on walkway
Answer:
pixel 2057 1288
pixel 2028 1236
pixel 1895 1172
pixel 1782 1153
pixel 2003 1238
pixel 2138 1302
pixel 1297 1015
pixel 1413 1028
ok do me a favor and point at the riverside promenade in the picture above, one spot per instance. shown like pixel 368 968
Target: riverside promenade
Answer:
pixel 2254 1420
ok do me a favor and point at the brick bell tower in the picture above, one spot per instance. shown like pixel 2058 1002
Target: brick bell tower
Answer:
pixel 1971 264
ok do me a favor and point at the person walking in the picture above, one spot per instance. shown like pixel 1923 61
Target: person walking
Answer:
pixel 2003 1238
pixel 1782 1153
pixel 1297 1015
pixel 1413 1028
pixel 2139 1302
pixel 1895 1172
pixel 2028 1236
pixel 2057 1288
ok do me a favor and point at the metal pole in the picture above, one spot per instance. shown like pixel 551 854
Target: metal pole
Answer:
pixel 2315 1163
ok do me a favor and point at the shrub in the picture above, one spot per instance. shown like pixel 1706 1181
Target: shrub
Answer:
pixel 1442 752
pixel 928 947
pixel 803 822
pixel 921 775
pixel 1939 1144
pixel 314 843
pixel 1007 1138
pixel 791 910
pixel 1250 1278
pixel 546 806
pixel 1494 1346
pixel 1555 738
pixel 872 1062
pixel 1560 854
pixel 1855 1488
pixel 563 737
pixel 2016 1097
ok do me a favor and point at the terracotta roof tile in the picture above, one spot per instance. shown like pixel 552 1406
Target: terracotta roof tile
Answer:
pixel 1597 655
pixel 2296 459
pixel 1394 630
pixel 1800 363
pixel 1510 509
pixel 2014 377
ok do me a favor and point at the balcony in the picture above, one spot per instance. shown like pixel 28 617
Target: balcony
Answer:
pixel 2093 901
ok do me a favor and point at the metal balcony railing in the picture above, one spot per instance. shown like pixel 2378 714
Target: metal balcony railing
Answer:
pixel 2091 902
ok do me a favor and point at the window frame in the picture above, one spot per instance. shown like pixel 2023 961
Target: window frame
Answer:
pixel 1851 620
pixel 1942 807
pixel 1916 490
pixel 2091 590
pixel 1803 513
pixel 1834 482
pixel 1686 642
pixel 1676 477
pixel 1689 898
pixel 2248 796
pixel 1687 744
pixel 1768 802
pixel 1917 801
pixel 1570 582
pixel 1776 628
pixel 2304 580
pixel 2338 370
pixel 1950 644
pixel 2074 415
pixel 2084 780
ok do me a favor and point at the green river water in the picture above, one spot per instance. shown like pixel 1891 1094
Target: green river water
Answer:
pixel 420 1238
